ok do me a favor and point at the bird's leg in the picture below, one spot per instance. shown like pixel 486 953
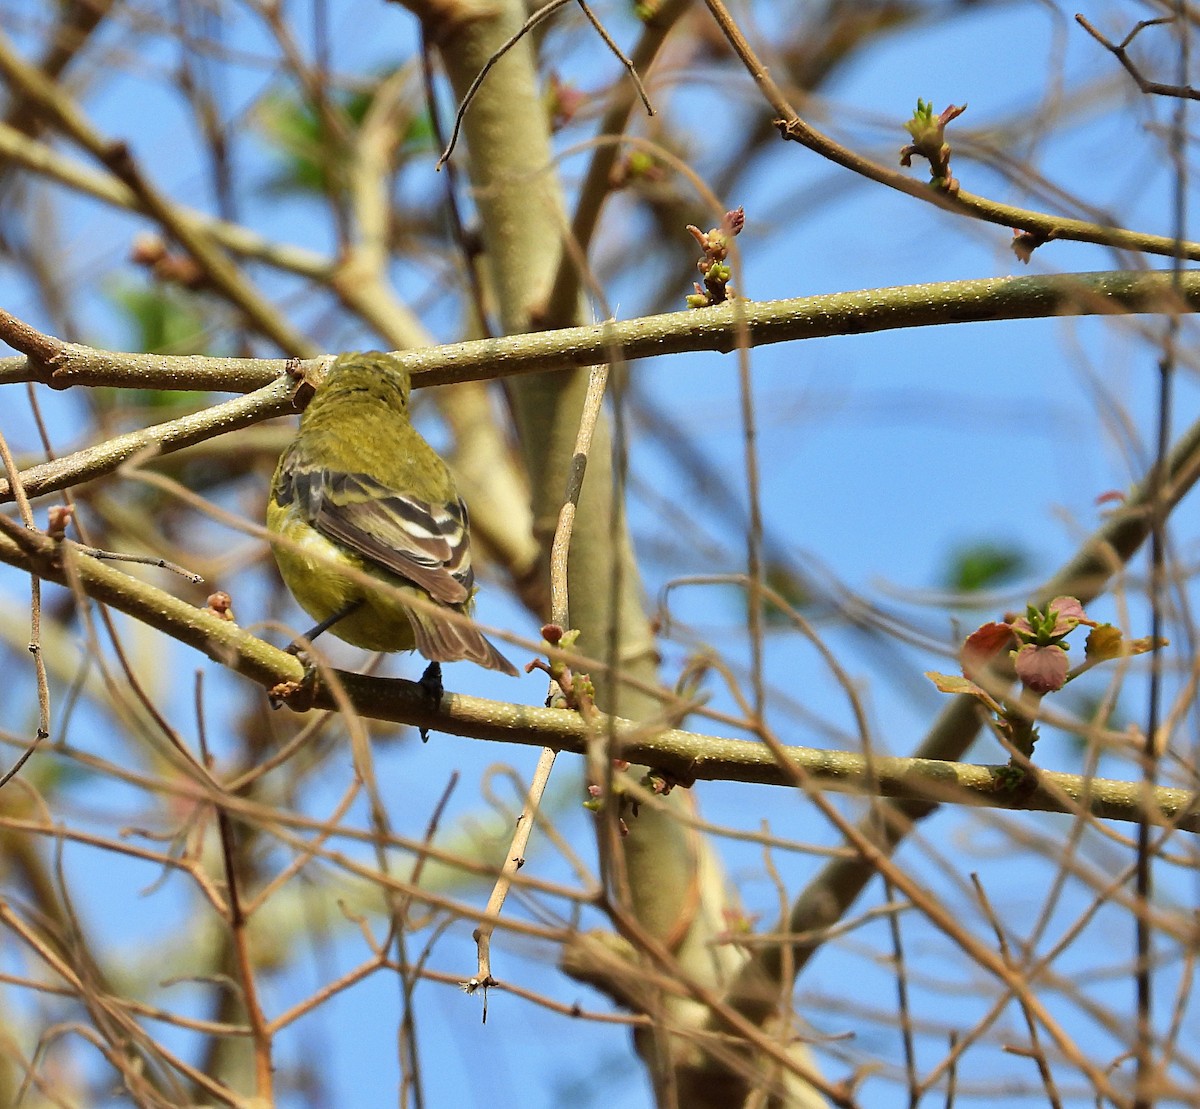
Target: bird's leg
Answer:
pixel 294 693
pixel 298 645
pixel 431 685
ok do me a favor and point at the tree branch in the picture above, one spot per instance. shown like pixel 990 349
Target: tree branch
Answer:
pixel 716 328
pixel 684 756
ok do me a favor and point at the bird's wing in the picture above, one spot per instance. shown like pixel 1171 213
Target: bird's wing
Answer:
pixel 425 543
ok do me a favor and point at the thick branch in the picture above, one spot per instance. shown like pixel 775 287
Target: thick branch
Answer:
pixel 720 328
pixel 717 328
pixel 174 435
pixel 684 756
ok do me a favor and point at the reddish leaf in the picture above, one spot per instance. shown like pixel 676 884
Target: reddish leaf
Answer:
pixel 984 645
pixel 1042 669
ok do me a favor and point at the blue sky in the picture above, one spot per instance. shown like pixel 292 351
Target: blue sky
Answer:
pixel 881 453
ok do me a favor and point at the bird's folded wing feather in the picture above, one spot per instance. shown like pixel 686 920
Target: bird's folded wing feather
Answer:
pixel 426 543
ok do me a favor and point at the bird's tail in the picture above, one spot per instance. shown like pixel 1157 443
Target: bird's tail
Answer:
pixel 446 641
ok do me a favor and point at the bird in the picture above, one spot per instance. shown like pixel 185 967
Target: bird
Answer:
pixel 359 489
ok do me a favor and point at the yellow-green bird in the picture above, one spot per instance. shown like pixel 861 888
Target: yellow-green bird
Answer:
pixel 359 488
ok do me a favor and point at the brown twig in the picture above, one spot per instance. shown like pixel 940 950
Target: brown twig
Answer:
pixel 468 245
pixel 53 103
pixel 1037 1053
pixel 264 1081
pixel 141 560
pixel 35 620
pixel 541 15
pixel 1044 227
pixel 1119 50
pixel 616 51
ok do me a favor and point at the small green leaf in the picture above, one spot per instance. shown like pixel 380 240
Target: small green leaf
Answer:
pixel 781 579
pixel 313 158
pixel 163 319
pixel 984 566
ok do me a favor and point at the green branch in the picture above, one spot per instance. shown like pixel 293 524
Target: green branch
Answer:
pixel 677 755
pixel 720 328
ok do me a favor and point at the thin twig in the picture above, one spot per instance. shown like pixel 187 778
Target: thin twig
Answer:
pixel 1147 1077
pixel 560 614
pixel 952 1076
pixel 540 16
pixel 619 55
pixel 238 924
pixel 1119 50
pixel 543 13
pixel 1039 224
pixel 1037 1052
pixel 560 609
pixel 904 1009
pixel 468 246
pixel 755 583
pixel 514 859
pixel 141 560
pixel 410 973
pixel 35 619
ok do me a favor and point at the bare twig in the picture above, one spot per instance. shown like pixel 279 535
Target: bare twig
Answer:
pixel 141 560
pixel 514 859
pixel 264 1081
pixel 35 619
pixel 1044 227
pixel 630 68
pixel 1037 1052
pixel 1120 51
pixel 560 615
pixel 540 16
